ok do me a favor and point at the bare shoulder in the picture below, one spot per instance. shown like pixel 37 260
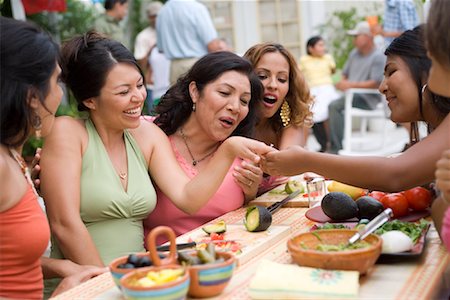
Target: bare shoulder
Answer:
pixel 147 135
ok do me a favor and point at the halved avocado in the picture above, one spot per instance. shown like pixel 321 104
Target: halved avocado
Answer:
pixel 257 218
pixel 219 227
pixel 292 186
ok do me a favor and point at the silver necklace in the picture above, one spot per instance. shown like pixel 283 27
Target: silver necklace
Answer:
pixel 195 161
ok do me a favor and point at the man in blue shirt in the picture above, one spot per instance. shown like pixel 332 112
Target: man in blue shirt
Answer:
pixel 399 15
pixel 185 32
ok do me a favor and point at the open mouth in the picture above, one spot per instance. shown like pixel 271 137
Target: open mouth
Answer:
pixel 270 99
pixel 227 121
pixel 133 112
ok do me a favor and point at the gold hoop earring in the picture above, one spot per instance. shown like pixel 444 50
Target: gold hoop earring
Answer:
pixel 285 113
pixel 194 107
pixel 37 125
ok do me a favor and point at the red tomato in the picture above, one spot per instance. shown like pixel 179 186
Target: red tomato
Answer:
pixel 397 202
pixel 216 236
pixel 377 195
pixel 418 198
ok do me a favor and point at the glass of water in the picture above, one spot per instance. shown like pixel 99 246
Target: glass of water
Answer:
pixel 316 189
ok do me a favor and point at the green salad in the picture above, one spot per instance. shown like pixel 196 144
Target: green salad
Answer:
pixel 413 230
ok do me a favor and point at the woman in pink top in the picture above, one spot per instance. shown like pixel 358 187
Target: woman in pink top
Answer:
pixel 214 100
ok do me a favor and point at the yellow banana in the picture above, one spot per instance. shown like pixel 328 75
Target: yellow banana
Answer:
pixel 352 191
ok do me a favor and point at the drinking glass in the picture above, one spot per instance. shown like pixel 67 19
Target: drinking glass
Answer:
pixel 316 189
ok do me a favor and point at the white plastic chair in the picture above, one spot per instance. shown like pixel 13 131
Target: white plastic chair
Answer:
pixel 362 137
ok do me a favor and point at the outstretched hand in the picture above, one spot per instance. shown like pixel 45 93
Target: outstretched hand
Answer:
pixel 248 149
pixel 285 162
pixel 248 176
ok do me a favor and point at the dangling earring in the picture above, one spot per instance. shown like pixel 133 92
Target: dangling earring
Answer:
pixel 37 125
pixel 285 113
pixel 194 107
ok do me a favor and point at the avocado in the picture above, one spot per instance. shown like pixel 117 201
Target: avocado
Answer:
pixel 339 206
pixel 219 227
pixel 368 207
pixel 257 218
pixel 292 186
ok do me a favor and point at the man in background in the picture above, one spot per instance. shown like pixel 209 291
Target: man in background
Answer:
pixel 109 22
pixel 399 16
pixel 185 32
pixel 363 69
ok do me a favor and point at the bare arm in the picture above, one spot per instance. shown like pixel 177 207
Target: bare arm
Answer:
pixel 414 167
pixel 292 136
pixel 60 186
pixel 168 175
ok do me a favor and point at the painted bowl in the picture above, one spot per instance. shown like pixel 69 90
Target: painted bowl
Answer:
pixel 302 249
pixel 209 280
pixel 155 258
pixel 171 290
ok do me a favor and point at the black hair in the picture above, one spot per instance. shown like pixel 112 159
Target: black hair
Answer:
pixel 410 47
pixel 109 4
pixel 27 61
pixel 312 42
pixel 86 61
pixel 175 106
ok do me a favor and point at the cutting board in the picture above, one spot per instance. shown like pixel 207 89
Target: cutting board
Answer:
pixel 252 243
pixel 278 194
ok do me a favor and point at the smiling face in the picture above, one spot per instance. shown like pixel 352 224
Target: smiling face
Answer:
pixel 121 98
pixel 222 104
pixel 273 71
pixel 400 90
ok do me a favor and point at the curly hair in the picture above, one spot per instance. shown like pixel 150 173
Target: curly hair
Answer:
pixel 298 96
pixel 175 106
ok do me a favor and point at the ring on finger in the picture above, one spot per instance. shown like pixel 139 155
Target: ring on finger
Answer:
pixel 250 183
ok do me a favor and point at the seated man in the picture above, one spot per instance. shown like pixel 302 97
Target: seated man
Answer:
pixel 363 69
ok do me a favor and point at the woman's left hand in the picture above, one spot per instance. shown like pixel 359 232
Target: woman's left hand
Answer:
pixel 248 176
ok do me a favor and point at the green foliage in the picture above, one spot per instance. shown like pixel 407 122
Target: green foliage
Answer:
pixel 29 148
pixel 77 19
pixel 334 32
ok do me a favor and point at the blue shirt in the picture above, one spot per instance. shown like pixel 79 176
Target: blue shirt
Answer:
pixel 184 29
pixel 399 15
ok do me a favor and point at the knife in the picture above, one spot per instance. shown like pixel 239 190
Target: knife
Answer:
pixel 277 205
pixel 190 245
pixel 379 220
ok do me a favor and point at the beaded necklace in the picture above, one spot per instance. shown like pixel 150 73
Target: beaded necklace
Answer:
pixel 24 167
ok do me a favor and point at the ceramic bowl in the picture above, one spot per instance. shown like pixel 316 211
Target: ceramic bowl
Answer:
pixel 172 290
pixel 301 248
pixel 117 273
pixel 209 280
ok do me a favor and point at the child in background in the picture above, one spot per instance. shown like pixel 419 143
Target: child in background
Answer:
pixel 317 66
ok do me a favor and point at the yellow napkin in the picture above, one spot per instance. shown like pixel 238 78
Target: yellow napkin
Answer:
pixel 280 281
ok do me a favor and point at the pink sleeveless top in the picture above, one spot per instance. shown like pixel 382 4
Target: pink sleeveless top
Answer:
pixel 228 197
pixel 24 236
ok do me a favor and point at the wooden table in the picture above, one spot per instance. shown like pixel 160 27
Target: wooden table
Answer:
pixel 425 278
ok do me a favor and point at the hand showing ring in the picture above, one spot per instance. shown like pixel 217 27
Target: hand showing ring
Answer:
pixel 250 183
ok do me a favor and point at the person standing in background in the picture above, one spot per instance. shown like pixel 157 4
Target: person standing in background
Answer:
pixel 399 15
pixel 317 67
pixel 185 32
pixel 109 22
pixel 145 41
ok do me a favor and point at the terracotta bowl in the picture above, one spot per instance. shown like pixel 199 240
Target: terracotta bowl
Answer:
pixel 209 280
pixel 356 260
pixel 176 289
pixel 117 273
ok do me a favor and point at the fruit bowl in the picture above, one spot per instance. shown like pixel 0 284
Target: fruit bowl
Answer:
pixel 208 280
pixel 118 270
pixel 303 251
pixel 169 287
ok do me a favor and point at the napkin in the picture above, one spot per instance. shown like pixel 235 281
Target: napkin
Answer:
pixel 282 281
